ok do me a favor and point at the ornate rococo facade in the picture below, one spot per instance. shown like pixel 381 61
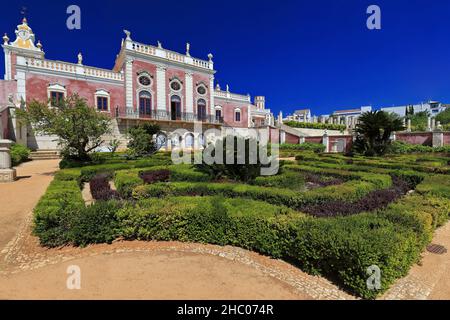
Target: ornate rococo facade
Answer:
pixel 147 83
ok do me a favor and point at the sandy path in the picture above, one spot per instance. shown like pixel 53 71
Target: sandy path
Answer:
pixel 18 198
pixel 155 275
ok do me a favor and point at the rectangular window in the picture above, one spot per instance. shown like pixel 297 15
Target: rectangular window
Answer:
pixel 56 97
pixel 102 103
pixel 238 116
pixel 218 115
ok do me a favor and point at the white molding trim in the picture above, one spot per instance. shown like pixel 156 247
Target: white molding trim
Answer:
pixel 105 94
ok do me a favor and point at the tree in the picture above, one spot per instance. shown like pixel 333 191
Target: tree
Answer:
pixel 141 139
pixel 419 120
pixel 79 127
pixel 374 130
pixel 246 158
pixel 444 116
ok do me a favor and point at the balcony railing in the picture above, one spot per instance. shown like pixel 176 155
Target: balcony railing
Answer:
pixel 163 115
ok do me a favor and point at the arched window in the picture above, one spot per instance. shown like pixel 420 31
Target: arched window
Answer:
pixel 145 103
pixel 175 107
pixel 201 110
pixel 189 140
pixel 237 115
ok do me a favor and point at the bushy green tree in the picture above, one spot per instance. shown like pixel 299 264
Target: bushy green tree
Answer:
pixel 444 116
pixel 79 127
pixel 374 130
pixel 141 139
pixel 419 120
pixel 246 171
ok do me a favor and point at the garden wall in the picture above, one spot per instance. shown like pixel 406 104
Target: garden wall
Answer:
pixel 422 138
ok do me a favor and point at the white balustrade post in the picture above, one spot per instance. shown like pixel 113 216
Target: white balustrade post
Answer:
pixel 7 174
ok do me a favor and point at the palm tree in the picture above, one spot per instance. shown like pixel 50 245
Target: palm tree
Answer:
pixel 374 130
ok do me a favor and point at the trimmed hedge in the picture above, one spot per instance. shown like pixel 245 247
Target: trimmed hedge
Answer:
pixel 350 191
pixel 307 146
pixel 308 125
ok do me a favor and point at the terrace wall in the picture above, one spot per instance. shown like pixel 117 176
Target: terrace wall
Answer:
pixel 422 138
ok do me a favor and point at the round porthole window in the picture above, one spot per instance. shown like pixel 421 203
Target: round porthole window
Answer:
pixel 201 90
pixel 144 80
pixel 175 85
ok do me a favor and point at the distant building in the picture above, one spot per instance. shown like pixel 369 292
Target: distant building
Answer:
pixel 433 107
pixel 302 115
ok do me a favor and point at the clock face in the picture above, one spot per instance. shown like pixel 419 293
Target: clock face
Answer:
pixel 24 34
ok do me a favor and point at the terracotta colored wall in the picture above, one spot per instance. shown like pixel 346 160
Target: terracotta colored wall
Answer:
pixel 348 142
pixel 36 87
pixel 313 139
pixel 274 135
pixel 423 138
pixel 446 138
pixel 7 87
pixel 139 66
pixel 289 138
pixel 228 112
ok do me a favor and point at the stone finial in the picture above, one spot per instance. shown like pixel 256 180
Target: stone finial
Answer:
pixel 218 87
pixel 5 39
pixel 210 56
pixel 128 34
pixel 80 58
pixel 39 45
pixel 159 45
pixel 188 47
pixel 228 88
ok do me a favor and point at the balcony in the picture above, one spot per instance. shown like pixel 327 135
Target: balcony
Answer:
pixel 163 115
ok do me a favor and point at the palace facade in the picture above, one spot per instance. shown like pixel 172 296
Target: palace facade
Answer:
pixel 147 84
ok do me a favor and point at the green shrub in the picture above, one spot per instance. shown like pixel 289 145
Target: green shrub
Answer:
pixel 322 126
pixel 19 154
pixel 307 146
pixel 96 223
pixel 349 191
pixel 54 212
pixel 125 181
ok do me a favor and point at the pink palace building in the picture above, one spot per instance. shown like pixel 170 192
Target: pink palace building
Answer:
pixel 147 83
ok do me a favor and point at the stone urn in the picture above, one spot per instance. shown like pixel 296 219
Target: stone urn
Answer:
pixel 7 174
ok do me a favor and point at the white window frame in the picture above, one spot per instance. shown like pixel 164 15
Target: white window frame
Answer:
pixel 103 94
pixel 236 110
pixel 55 87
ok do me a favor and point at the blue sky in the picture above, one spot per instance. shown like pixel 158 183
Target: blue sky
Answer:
pixel 313 53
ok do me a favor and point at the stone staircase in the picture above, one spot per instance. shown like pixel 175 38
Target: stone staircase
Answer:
pixel 45 154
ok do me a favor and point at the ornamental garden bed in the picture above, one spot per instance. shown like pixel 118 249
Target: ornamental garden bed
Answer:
pixel 360 212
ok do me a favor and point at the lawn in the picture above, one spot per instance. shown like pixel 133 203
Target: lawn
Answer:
pixel 328 214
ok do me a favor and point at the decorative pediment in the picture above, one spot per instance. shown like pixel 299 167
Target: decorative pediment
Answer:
pixel 25 37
